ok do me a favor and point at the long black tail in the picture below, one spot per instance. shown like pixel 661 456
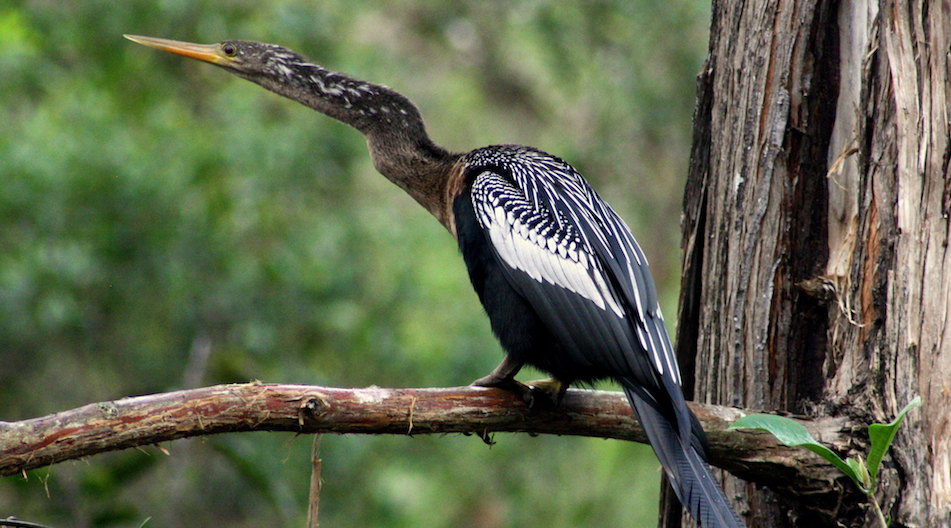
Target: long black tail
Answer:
pixel 684 462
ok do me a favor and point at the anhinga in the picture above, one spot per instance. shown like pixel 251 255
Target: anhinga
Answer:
pixel 566 287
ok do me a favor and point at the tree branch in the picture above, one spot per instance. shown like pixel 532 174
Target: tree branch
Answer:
pixel 145 420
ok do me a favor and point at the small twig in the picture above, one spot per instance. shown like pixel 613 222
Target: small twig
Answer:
pixel 313 501
pixel 17 523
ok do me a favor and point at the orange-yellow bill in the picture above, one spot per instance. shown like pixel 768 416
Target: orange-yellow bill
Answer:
pixel 205 52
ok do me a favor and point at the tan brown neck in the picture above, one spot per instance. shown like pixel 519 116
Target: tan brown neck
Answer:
pixel 425 171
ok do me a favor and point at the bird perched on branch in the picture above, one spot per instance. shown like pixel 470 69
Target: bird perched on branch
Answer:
pixel 565 285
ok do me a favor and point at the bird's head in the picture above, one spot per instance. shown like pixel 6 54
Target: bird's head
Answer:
pixel 391 123
pixel 252 60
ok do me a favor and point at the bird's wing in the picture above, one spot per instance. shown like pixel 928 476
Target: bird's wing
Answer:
pixel 578 265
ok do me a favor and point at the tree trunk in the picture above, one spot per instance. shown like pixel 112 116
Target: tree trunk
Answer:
pixel 817 274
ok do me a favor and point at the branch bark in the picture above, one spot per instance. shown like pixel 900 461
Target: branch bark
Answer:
pixel 147 420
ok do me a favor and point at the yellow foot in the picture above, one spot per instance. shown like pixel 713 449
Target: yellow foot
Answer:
pixel 547 392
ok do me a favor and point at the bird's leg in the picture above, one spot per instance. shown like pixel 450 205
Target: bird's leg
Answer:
pixel 540 393
pixel 503 377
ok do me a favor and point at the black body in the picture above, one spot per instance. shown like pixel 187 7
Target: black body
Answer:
pixel 541 319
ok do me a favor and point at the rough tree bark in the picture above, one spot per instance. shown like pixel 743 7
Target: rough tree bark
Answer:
pixel 817 274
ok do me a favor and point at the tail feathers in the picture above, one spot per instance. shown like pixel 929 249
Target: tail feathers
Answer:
pixel 685 465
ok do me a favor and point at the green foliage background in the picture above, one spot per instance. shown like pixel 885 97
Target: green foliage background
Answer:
pixel 164 224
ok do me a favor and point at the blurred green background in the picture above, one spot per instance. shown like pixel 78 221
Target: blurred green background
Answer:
pixel 164 224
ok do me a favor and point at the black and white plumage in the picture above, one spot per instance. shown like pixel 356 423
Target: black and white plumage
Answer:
pixel 568 290
pixel 544 221
pixel 566 287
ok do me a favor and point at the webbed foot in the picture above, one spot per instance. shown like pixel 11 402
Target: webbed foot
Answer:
pixel 543 394
pixel 503 377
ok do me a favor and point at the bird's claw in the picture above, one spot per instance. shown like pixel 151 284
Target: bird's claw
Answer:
pixel 540 394
pixel 507 384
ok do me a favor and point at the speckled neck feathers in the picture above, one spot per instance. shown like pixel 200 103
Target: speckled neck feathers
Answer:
pixel 399 145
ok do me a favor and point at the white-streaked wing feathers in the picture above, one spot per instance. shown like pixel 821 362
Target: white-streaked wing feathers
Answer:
pixel 530 243
pixel 544 220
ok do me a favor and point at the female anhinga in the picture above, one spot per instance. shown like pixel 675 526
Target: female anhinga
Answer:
pixel 565 286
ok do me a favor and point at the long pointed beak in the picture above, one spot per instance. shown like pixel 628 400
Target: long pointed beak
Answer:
pixel 204 52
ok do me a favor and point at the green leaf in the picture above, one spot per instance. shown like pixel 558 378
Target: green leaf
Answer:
pixel 882 436
pixel 793 434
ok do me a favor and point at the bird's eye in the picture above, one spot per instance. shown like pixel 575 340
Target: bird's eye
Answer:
pixel 229 50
